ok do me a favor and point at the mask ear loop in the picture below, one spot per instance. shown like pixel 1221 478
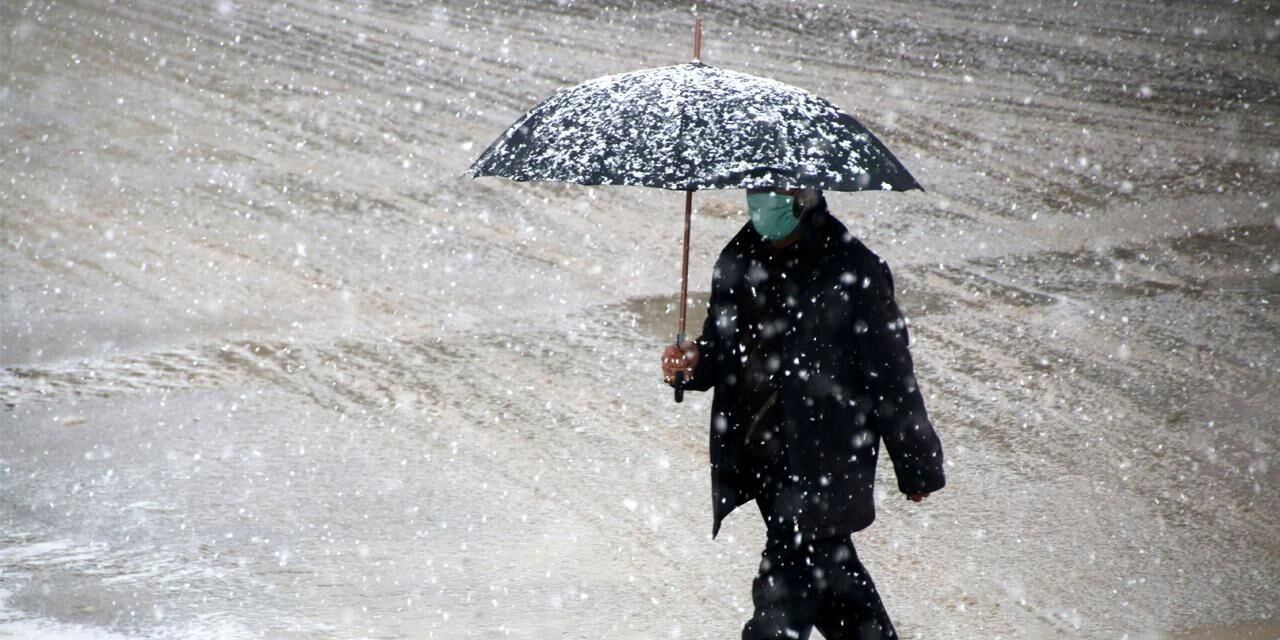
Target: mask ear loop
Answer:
pixel 806 202
pixel 801 205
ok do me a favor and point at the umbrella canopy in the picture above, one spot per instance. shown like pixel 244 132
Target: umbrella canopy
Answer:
pixel 690 127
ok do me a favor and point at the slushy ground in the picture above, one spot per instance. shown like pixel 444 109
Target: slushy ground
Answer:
pixel 274 368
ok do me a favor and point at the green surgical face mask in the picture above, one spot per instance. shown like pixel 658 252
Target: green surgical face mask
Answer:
pixel 772 214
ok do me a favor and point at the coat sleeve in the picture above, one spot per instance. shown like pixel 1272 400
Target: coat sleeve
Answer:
pixel 899 413
pixel 704 377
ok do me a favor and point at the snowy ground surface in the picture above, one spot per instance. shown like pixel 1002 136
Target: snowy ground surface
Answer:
pixel 272 368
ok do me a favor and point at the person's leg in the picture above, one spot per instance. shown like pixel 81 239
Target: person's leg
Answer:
pixel 786 603
pixel 786 600
pixel 850 608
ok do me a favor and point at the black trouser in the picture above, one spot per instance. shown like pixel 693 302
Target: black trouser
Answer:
pixel 815 584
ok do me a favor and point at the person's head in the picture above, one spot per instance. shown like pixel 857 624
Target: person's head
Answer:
pixel 776 212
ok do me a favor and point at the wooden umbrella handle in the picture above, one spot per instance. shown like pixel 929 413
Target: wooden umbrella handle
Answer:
pixel 688 215
pixel 684 289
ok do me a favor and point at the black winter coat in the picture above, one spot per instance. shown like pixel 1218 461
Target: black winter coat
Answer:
pixel 844 377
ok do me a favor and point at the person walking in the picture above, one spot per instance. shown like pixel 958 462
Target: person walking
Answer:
pixel 807 356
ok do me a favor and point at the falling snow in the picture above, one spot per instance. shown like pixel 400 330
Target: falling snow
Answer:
pixel 272 365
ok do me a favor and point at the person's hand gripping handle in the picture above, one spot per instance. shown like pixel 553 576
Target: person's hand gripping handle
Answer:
pixel 678 363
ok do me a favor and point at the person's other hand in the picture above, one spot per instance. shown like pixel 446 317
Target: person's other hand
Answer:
pixel 679 358
pixel 917 497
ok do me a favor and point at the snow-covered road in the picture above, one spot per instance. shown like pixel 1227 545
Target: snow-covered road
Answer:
pixel 273 368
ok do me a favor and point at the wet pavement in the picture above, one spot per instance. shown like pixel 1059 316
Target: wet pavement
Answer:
pixel 273 368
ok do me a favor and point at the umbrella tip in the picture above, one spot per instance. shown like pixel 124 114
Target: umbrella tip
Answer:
pixel 697 37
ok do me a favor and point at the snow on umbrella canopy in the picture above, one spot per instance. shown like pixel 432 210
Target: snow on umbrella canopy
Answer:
pixel 689 127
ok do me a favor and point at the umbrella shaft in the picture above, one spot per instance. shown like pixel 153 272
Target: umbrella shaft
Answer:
pixel 684 268
pixel 697 38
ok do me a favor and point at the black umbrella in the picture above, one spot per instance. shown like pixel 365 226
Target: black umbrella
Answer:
pixel 689 127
